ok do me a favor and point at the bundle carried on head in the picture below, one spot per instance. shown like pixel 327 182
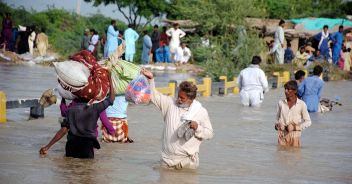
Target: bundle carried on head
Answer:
pixel 84 77
pixel 122 73
pixel 98 82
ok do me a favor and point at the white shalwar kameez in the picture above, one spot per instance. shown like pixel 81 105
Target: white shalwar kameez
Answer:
pixel 94 40
pixel 175 35
pixel 279 51
pixel 177 152
pixel 252 83
pixel 31 39
pixel 182 55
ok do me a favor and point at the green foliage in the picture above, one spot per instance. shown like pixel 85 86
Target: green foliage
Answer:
pixel 218 64
pixel 286 9
pixel 64 29
pixel 137 8
pixel 221 15
pixel 232 46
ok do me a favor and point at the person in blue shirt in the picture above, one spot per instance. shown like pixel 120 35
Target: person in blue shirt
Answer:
pixel 147 48
pixel 323 38
pixel 310 89
pixel 288 57
pixel 337 39
pixel 111 39
pixel 162 54
pixel 131 36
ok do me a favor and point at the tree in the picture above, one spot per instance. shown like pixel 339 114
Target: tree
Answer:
pixel 232 43
pixel 286 9
pixel 136 9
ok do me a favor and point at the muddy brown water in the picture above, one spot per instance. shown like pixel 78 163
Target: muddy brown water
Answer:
pixel 243 150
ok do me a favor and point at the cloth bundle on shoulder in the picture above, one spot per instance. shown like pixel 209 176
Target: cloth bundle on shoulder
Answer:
pixel 138 91
pixel 122 73
pixel 98 82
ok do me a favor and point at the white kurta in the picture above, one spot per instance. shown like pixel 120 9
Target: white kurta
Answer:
pixel 182 55
pixel 177 151
pixel 94 40
pixel 252 83
pixel 279 51
pixel 175 35
pixel 31 39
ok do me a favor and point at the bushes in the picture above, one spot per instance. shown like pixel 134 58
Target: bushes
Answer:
pixel 64 29
pixel 232 47
pixel 228 55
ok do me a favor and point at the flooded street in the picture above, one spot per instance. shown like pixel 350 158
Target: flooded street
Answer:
pixel 243 150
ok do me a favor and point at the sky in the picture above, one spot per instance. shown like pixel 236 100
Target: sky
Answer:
pixel 86 9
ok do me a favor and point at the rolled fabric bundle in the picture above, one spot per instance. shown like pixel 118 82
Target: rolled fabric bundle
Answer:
pixel 122 73
pixel 98 86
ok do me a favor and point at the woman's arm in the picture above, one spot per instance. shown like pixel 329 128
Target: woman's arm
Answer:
pixel 106 123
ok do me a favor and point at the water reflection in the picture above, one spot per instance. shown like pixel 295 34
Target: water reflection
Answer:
pixel 173 176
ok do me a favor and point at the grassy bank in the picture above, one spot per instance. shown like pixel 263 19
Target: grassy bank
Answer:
pixel 64 29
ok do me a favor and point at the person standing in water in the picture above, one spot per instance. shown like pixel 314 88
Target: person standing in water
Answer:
pixel 292 117
pixel 186 126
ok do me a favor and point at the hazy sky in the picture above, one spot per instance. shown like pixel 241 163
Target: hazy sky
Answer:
pixel 70 5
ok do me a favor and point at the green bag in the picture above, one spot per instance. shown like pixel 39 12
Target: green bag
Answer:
pixel 122 73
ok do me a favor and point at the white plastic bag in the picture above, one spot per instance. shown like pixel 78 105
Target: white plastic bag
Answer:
pixel 72 73
pixel 64 93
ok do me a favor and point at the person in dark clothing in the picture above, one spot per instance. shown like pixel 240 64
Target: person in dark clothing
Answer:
pixel 155 40
pixel 6 30
pixel 80 124
pixel 22 43
pixel 12 46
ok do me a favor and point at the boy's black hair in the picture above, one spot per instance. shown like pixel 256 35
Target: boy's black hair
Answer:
pixel 299 74
pixel 317 70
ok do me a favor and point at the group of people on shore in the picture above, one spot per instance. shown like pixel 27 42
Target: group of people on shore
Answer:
pixel 157 47
pixel 22 39
pixel 334 48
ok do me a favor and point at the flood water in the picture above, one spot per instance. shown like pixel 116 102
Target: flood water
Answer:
pixel 243 150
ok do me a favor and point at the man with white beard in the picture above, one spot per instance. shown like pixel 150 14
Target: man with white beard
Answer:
pixel 187 124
